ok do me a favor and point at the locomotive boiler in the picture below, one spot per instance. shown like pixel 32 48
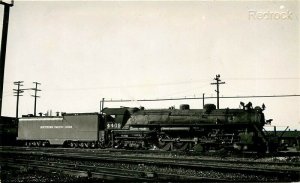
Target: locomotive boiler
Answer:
pixel 187 129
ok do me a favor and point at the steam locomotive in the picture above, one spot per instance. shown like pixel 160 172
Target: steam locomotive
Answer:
pixel 137 128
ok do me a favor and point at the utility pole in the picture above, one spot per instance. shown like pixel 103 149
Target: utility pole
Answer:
pixel 3 47
pixel 102 104
pixel 203 100
pixel 35 95
pixel 18 93
pixel 218 82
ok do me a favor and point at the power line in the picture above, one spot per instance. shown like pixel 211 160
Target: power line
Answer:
pixel 19 91
pixel 196 98
pixel 158 84
pixel 129 86
pixel 277 78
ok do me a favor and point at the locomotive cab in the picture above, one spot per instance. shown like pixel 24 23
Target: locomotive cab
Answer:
pixel 115 118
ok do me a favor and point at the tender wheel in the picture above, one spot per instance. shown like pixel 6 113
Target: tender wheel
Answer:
pixel 34 144
pixel 72 145
pixel 92 145
pixel 81 144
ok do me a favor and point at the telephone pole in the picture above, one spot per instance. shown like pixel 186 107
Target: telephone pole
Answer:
pixel 3 46
pixel 35 95
pixel 218 82
pixel 18 93
pixel 203 100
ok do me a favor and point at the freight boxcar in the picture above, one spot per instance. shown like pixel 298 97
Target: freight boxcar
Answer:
pixel 76 129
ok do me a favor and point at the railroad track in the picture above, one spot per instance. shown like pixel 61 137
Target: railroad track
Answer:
pixel 280 170
pixel 106 173
pixel 169 156
pixel 160 152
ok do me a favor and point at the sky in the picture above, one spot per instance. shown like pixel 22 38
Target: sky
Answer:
pixel 82 52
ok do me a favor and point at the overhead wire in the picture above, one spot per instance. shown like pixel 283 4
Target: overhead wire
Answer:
pixel 195 98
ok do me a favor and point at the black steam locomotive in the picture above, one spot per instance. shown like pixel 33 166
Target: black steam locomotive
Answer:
pixel 137 128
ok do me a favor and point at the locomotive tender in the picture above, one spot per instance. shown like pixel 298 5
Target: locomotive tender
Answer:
pixel 138 128
pixel 68 129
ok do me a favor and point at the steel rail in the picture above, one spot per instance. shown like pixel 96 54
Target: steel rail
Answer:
pixel 279 172
pixel 102 172
pixel 189 159
pixel 237 163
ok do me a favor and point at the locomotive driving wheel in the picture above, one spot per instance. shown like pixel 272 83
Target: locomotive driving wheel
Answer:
pixel 164 143
pixel 180 146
